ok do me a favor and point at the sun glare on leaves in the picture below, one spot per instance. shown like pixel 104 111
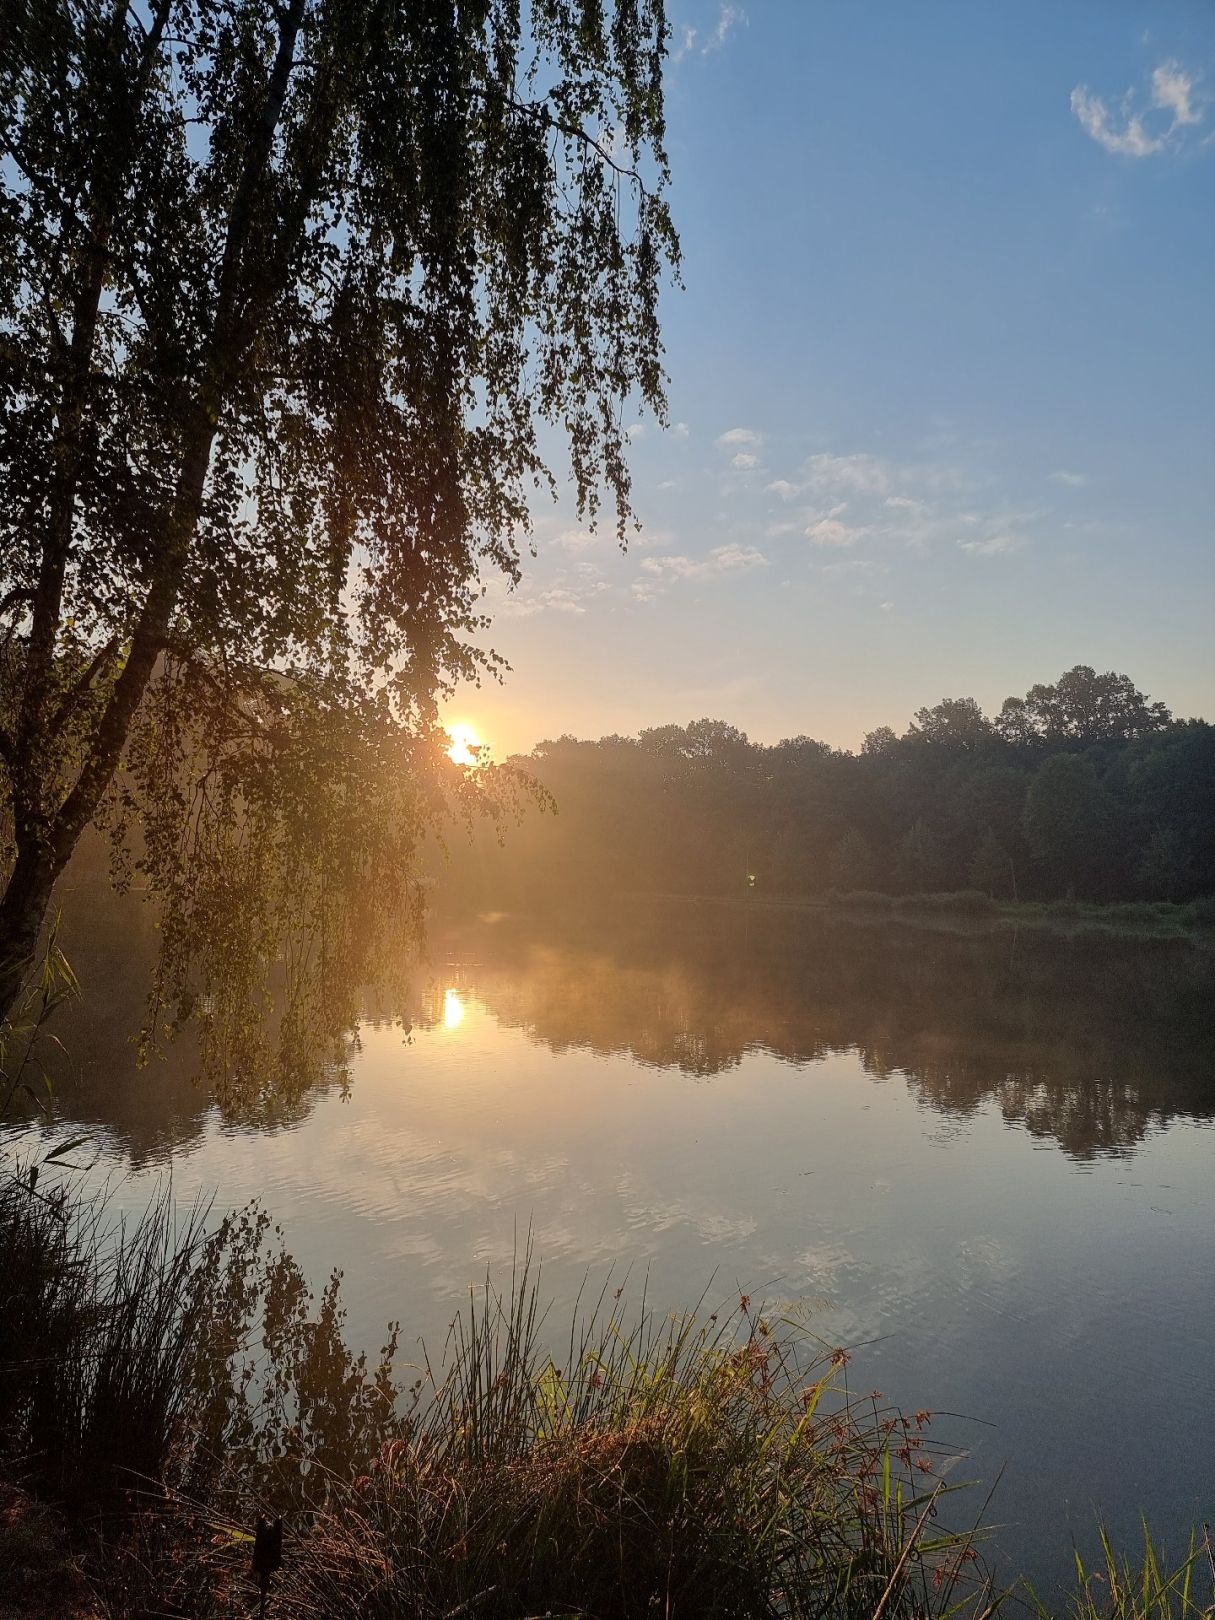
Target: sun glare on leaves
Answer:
pixel 453 1010
pixel 465 745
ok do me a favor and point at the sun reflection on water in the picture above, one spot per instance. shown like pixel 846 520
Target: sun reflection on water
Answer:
pixel 453 1010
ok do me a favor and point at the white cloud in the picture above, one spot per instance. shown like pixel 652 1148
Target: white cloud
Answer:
pixel 728 18
pixel 733 559
pixel 885 606
pixel 722 560
pixel 559 598
pixel 652 538
pixel 692 41
pixel 1073 480
pixel 996 545
pixel 730 559
pixel 1130 141
pixel 744 461
pixel 575 540
pixel 857 472
pixel 739 435
pixel 1173 89
pixel 681 430
pixel 637 431
pixel 1127 132
pixel 783 488
pixel 687 43
pixel 829 531
pixel 669 483
pixel 842 502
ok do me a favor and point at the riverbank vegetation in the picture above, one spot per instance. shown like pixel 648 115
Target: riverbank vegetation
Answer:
pixel 1082 791
pixel 162 1385
pixel 166 1380
pixel 1152 919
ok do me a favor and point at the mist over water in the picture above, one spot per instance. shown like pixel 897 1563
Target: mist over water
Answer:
pixel 980 1157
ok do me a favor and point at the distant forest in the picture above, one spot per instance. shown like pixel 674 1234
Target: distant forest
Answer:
pixel 1079 790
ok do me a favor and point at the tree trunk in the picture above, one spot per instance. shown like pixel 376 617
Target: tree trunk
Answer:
pixel 22 911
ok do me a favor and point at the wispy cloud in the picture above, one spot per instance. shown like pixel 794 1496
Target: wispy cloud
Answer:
pixel 783 488
pixel 1132 140
pixel 557 599
pixel 829 531
pixel 694 41
pixel 995 545
pixel 1073 480
pixel 657 572
pixel 857 496
pixel 1173 89
pixel 739 436
pixel 575 540
pixel 731 559
pixel 858 472
pixel 744 461
pixel 728 19
pixel 1142 134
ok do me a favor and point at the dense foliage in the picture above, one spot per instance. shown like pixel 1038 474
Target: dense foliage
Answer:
pixel 289 297
pixel 1080 790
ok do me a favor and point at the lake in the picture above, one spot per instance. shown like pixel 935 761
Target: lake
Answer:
pixel 982 1159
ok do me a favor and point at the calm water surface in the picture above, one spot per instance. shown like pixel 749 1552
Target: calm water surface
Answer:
pixel 987 1161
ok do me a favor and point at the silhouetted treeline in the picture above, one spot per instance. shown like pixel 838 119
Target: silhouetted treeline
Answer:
pixel 1083 789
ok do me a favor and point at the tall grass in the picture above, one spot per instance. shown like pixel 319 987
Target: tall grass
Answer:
pixel 667 1466
pixel 165 1382
pixel 675 1467
pixel 99 1328
pixel 1146 1587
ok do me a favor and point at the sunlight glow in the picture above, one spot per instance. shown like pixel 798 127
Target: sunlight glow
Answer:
pixel 453 1010
pixel 464 745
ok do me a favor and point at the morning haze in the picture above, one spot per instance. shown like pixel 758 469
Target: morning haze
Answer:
pixel 607 810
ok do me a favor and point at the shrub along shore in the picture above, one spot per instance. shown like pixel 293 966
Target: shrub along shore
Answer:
pixel 1193 919
pixel 166 1381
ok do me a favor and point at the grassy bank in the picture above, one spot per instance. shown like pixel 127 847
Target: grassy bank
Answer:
pixel 163 1384
pixel 971 908
pixel 1141 919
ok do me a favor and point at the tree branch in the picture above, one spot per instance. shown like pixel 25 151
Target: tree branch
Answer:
pixel 79 687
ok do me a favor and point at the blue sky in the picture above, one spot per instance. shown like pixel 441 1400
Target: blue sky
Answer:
pixel 942 380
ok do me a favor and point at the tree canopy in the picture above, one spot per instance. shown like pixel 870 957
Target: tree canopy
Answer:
pixel 290 297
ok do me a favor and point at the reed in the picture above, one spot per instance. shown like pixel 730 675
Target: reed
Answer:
pixel 684 1467
pixel 166 1380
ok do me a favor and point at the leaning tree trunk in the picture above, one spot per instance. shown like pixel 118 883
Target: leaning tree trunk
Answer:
pixel 23 909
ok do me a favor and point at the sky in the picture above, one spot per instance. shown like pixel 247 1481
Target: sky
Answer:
pixel 942 381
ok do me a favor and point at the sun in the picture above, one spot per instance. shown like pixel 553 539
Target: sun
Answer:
pixel 464 745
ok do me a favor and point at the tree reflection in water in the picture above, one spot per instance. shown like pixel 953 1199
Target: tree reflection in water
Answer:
pixel 1087 1041
pixel 1092 1041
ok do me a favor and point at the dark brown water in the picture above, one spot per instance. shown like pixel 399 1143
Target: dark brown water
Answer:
pixel 987 1161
